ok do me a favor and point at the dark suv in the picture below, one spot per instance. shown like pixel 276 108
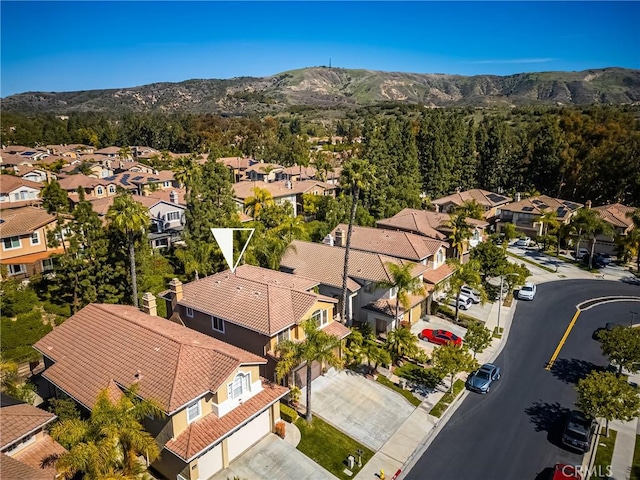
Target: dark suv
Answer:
pixel 578 431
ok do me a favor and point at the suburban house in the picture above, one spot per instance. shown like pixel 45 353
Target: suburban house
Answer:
pixel 525 214
pixel 34 174
pixel 111 152
pixel 25 443
pixel 489 201
pixel 17 192
pixel 263 172
pixel 23 232
pixel 216 405
pixel 433 225
pixel 92 187
pixel 367 300
pixel 144 183
pixel 254 308
pixel 71 150
pixel 297 173
pixel 282 191
pixel 238 166
pixel 167 217
pixel 616 216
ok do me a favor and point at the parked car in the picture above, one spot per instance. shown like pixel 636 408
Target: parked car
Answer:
pixel 605 257
pixel 523 242
pixel 469 292
pixel 578 431
pixel 440 337
pixel 527 291
pixel 581 253
pixel 598 262
pixel 463 301
pixel 565 472
pixel 480 381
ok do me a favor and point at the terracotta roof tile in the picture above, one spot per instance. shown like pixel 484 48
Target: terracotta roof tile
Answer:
pixel 211 429
pixel 23 221
pixel 12 469
pixel 336 329
pixel 616 214
pixel 394 243
pixel 543 203
pixel 114 343
pixel 259 299
pixel 438 275
pixel 483 197
pixel 35 454
pixel 9 183
pixel 18 419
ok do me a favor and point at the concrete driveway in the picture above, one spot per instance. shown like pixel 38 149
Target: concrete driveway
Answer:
pixel 365 410
pixel 273 459
pixel 433 322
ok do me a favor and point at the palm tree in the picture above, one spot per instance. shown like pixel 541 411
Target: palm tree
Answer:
pixel 549 219
pixel 357 175
pixel 323 165
pixel 132 219
pixel 590 224
pixel 464 274
pixel 109 442
pixel 470 209
pixel 260 199
pixel 125 152
pixel 400 343
pixel 460 232
pixel 634 234
pixel 404 283
pixel 187 172
pixel 195 258
pixel 317 346
pixel 292 227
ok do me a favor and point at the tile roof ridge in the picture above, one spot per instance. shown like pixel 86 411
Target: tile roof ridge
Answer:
pixel 175 380
pixel 410 238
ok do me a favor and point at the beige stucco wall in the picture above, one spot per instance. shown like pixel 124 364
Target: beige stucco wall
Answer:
pixel 25 244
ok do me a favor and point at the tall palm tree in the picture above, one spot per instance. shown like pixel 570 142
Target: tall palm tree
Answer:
pixel 404 283
pixel 132 219
pixel 634 234
pixel 590 224
pixel 461 231
pixel 261 198
pixel 317 346
pixel 109 442
pixel 549 220
pixel 292 228
pixel 464 274
pixel 401 342
pixel 357 175
pixel 187 172
pixel 323 165
pixel 470 209
pixel 125 152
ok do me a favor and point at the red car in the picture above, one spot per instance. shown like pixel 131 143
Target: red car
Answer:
pixel 440 337
pixel 565 472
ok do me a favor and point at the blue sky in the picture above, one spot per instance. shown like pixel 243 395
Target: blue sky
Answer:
pixel 81 45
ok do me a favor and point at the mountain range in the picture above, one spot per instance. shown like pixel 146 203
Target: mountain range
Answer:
pixel 331 88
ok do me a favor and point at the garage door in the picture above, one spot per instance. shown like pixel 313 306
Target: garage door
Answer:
pixel 210 462
pixel 248 435
pixel 301 374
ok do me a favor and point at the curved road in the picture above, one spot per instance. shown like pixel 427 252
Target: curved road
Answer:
pixel 513 432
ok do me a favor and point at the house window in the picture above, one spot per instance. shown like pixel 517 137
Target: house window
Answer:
pixel 240 385
pixel 167 184
pixel 112 189
pixel 217 324
pixel 193 411
pixel 35 238
pixel 47 265
pixel 17 269
pixel 189 312
pixel 161 243
pixel 172 216
pixel 369 287
pixel 99 190
pixel 319 317
pixel 439 256
pixel 11 243
pixel 282 336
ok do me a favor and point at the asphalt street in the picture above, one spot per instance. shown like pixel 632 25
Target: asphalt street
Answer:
pixel 514 431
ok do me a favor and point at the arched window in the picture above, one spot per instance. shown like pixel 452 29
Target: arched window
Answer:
pixel 320 318
pixel 99 190
pixel 241 384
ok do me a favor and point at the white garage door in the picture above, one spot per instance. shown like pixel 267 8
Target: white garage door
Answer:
pixel 248 435
pixel 210 462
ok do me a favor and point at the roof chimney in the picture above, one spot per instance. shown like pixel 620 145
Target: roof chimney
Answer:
pixel 518 196
pixel 339 237
pixel 149 304
pixel 175 286
pixel 328 240
pixel 173 197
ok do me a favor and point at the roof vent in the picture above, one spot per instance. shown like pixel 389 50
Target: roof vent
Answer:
pixel 238 287
pixel 257 294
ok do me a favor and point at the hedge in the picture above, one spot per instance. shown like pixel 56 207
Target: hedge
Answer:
pixel 287 413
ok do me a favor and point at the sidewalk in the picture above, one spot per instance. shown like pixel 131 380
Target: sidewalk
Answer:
pixel 403 449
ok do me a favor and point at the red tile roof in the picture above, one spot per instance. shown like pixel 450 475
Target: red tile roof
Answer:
pixel 114 343
pixel 259 299
pixel 616 215
pixel 336 329
pixel 483 197
pixel 9 183
pixel 12 469
pixel 35 454
pixel 424 222
pixel 23 221
pixel 19 419
pixel 211 429
pixel 438 275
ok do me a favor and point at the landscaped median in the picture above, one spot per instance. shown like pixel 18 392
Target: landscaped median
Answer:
pixel 440 407
pixel 604 453
pixel 635 466
pixel 326 445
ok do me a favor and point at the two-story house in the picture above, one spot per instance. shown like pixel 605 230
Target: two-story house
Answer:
pixel 263 172
pixel 216 405
pixel 24 443
pixel 18 192
pixel 254 308
pixel 367 300
pixel 92 187
pixel 525 214
pixel 24 248
pixel 489 201
pixel 238 166
pixel 615 215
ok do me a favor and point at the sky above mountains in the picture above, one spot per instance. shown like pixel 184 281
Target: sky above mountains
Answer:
pixel 83 45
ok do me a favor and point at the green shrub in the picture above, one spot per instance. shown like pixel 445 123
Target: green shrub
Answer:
pixel 447 312
pixel 415 373
pixel 17 337
pixel 61 310
pixel 287 413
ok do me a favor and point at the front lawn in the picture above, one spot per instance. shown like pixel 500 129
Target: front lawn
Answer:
pixel 635 466
pixel 405 393
pixel 440 407
pixel 603 454
pixel 329 447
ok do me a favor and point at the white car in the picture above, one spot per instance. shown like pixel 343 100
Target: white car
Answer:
pixel 467 291
pixel 523 242
pixel 527 292
pixel 464 302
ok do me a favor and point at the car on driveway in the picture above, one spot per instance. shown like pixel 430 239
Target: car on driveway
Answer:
pixel 527 292
pixel 471 293
pixel 523 242
pixel 598 262
pixel 463 302
pixel 480 381
pixel 440 337
pixel 578 431
pixel 581 253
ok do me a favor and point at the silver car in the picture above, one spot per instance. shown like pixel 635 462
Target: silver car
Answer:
pixel 480 381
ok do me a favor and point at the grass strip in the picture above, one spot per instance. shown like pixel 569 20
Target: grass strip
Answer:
pixel 635 466
pixel 329 447
pixel 440 407
pixel 405 393
pixel 604 453
pixel 524 259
